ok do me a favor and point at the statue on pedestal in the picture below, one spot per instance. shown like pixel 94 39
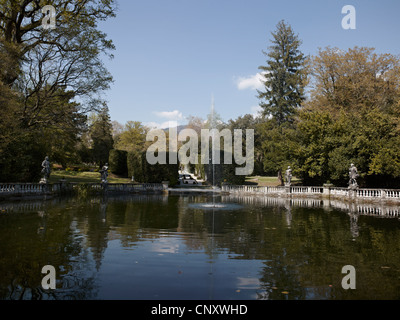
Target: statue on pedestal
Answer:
pixel 288 176
pixel 46 170
pixel 353 174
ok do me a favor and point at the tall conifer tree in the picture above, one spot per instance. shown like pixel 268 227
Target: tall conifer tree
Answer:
pixel 285 76
pixel 101 135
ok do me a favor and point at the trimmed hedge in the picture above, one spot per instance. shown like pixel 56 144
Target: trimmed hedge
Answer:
pixel 145 172
pixel 135 166
pixel 117 162
pixel 217 174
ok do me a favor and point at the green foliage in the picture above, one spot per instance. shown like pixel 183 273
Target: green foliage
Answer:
pixel 66 56
pixel 352 116
pixel 38 114
pixel 285 75
pixel 312 153
pixel 142 171
pixel 132 138
pixel 328 145
pixel 220 173
pixel 135 165
pixel 101 134
pixel 229 175
pixel 118 162
pixel 157 173
pixel 21 161
pixel 278 143
pixel 248 121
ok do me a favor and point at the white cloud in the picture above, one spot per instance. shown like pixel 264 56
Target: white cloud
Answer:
pixel 171 115
pixel 163 246
pixel 251 82
pixel 256 111
pixel 152 125
pixel 161 125
pixel 248 283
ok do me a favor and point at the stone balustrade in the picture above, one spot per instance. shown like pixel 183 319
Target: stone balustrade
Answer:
pixel 25 189
pixel 384 210
pixel 124 187
pixel 238 189
pixel 327 191
pixel 21 189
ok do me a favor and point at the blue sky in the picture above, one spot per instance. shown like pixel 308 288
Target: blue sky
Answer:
pixel 172 56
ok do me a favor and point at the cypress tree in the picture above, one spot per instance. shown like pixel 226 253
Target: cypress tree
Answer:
pixel 101 135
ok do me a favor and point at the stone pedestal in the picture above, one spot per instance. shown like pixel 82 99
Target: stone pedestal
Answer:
pixel 353 191
pixel 287 188
pixel 165 185
pixel 327 189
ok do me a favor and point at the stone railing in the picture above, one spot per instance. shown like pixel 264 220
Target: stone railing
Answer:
pixel 372 194
pixel 234 189
pixel 22 188
pixel 357 207
pixel 126 187
pixel 306 190
pixel 339 192
pixel 25 189
pixel 326 191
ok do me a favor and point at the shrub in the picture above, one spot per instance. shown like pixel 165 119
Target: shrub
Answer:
pixel 135 165
pixel 118 162
pixel 218 173
pixel 159 172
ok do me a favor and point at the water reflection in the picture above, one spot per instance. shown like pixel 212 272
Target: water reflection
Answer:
pixel 169 247
pixel 214 206
pixel 353 209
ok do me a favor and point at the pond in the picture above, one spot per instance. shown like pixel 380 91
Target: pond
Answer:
pixel 156 247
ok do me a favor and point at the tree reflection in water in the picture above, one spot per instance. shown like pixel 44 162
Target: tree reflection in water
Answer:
pixel 155 246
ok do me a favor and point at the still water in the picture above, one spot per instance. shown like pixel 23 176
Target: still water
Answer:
pixel 169 247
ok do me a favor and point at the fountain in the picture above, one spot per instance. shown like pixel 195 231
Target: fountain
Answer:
pixel 213 205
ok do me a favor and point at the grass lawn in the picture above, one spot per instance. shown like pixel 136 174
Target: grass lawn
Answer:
pixel 94 177
pixel 262 181
pixel 84 177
